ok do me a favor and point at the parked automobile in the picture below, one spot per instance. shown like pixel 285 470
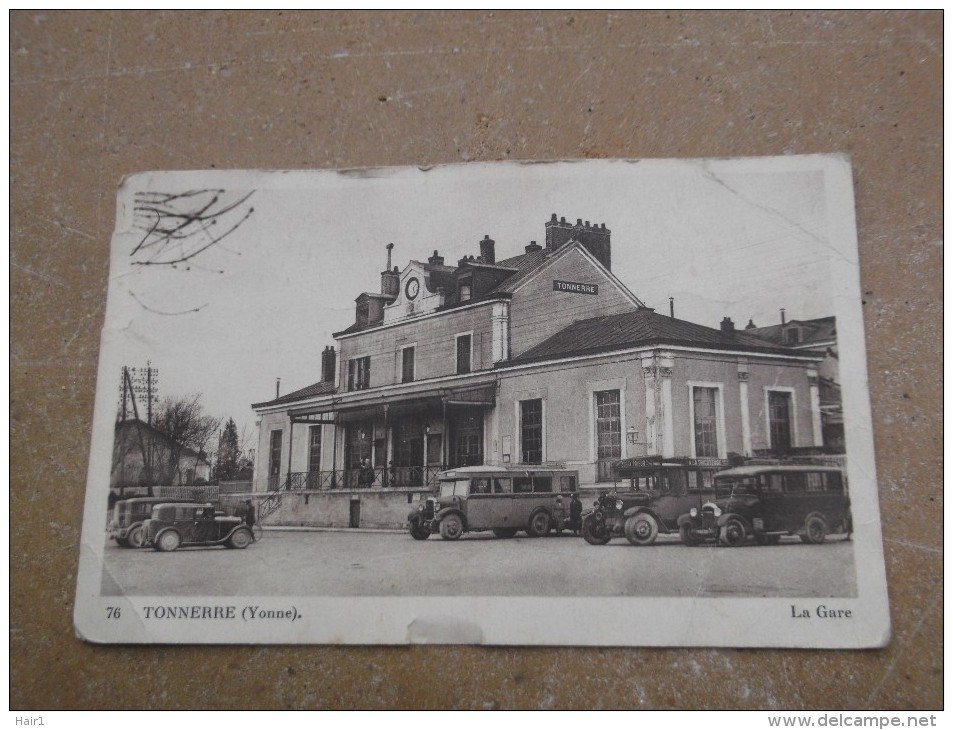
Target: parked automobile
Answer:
pixel 659 491
pixel 765 502
pixel 128 516
pixel 180 524
pixel 503 499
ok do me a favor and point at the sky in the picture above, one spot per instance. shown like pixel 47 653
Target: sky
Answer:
pixel 737 238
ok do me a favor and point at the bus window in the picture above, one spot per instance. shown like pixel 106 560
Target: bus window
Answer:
pixel 794 482
pixel 772 484
pixel 646 484
pixel 708 479
pixel 834 481
pixel 542 484
pixel 480 485
pixel 450 488
pixel 567 484
pixel 522 485
pixel 815 481
pixel 503 485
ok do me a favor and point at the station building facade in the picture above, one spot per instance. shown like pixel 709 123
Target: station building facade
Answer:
pixel 538 358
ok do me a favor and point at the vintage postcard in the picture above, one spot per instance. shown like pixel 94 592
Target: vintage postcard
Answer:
pixel 602 402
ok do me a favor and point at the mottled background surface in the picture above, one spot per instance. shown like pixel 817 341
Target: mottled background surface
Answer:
pixel 97 95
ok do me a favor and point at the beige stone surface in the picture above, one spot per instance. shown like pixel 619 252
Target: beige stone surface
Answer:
pixel 96 95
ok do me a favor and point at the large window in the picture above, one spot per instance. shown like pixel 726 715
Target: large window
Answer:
pixel 531 431
pixel 274 455
pixel 407 364
pixel 314 449
pixel 359 373
pixel 608 432
pixel 466 436
pixel 463 353
pixel 705 402
pixel 779 419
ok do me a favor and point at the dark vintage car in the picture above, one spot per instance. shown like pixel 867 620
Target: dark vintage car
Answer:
pixel 659 491
pixel 179 524
pixel 128 516
pixel 765 502
pixel 501 499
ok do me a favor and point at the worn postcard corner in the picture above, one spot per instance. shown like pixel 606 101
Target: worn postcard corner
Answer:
pixel 580 403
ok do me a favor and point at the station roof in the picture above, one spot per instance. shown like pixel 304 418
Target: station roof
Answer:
pixel 643 326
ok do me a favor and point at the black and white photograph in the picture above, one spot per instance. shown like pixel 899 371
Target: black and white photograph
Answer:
pixel 588 402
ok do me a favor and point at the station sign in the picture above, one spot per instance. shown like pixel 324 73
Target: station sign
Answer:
pixel 574 287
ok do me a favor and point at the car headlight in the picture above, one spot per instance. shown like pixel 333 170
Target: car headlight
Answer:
pixel 436 506
pixel 716 511
pixel 420 508
pixel 618 504
pixel 693 512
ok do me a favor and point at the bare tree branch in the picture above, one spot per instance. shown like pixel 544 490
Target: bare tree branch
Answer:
pixel 177 227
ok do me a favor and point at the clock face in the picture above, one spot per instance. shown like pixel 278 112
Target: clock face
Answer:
pixel 413 288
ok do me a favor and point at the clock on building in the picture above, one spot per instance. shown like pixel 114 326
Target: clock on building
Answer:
pixel 413 288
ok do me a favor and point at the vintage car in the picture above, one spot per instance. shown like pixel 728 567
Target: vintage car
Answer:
pixel 128 516
pixel 765 502
pixel 503 499
pixel 659 492
pixel 181 524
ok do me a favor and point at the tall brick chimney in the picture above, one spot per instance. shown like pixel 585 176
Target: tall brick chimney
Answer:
pixel 390 278
pixel 594 237
pixel 328 358
pixel 727 326
pixel 488 250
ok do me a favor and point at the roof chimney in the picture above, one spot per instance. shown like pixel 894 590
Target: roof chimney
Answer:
pixel 751 325
pixel 782 316
pixel 327 364
pixel 277 387
pixel 390 278
pixel 533 246
pixel 671 307
pixel 436 259
pixel 488 250
pixel 727 326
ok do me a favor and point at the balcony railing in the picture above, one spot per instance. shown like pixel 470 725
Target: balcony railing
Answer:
pixel 423 477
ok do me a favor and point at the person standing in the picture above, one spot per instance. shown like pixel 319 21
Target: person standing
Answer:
pixel 559 514
pixel 248 514
pixel 575 514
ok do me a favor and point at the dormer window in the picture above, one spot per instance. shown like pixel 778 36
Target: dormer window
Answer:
pixel 792 336
pixel 465 290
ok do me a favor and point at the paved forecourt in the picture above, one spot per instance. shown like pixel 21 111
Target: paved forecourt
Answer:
pixel 340 563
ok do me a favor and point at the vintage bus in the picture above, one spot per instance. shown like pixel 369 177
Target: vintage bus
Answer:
pixel 766 501
pixel 651 493
pixel 503 499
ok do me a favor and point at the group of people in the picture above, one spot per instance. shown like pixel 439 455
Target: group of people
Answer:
pixel 575 514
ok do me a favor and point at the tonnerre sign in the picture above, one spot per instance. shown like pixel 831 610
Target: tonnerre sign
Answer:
pixel 574 287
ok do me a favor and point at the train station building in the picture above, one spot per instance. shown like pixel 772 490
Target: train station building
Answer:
pixel 540 357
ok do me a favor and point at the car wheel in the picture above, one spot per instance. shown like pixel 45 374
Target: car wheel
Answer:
pixel 734 533
pixel 418 531
pixel 121 542
pixel 641 529
pixel 815 530
pixel 539 524
pixel 504 532
pixel 134 537
pixel 451 527
pixel 168 541
pixel 594 531
pixel 688 535
pixel 240 539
